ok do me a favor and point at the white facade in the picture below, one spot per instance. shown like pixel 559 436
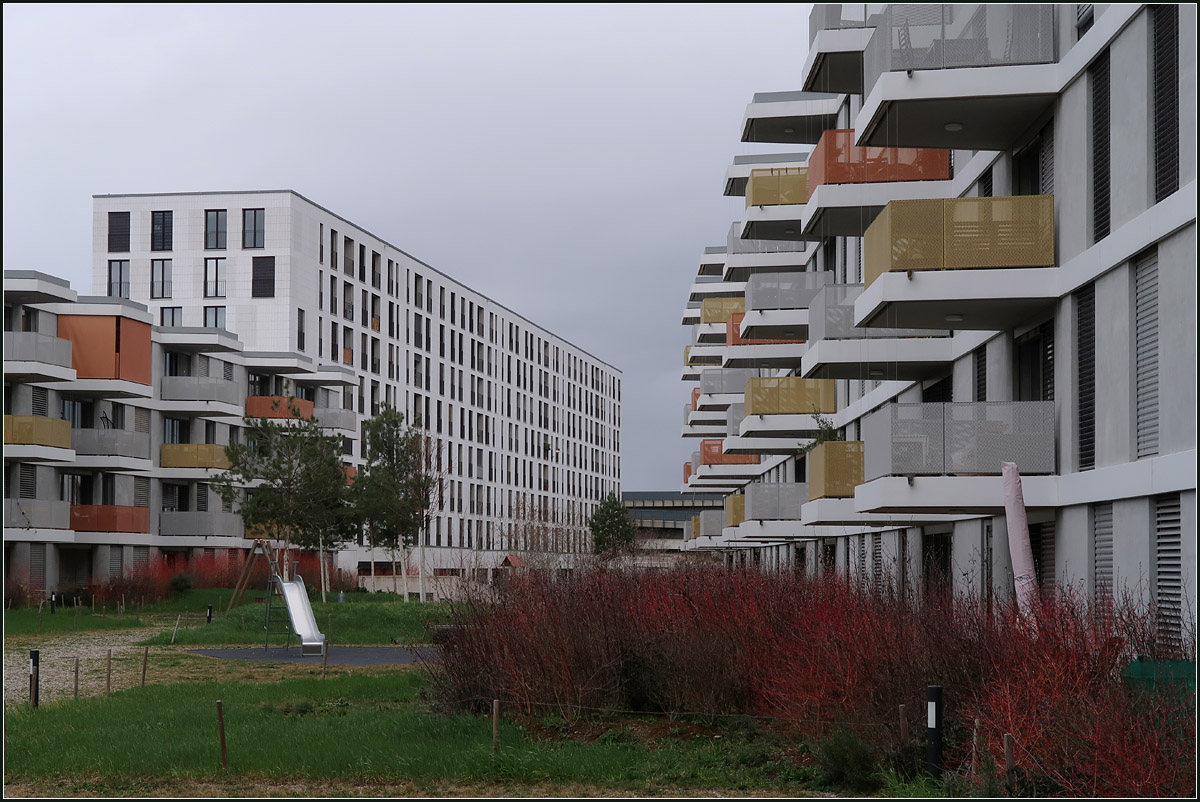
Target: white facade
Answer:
pixel 1038 294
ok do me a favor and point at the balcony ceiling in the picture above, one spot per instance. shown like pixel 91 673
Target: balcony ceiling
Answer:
pixel 989 123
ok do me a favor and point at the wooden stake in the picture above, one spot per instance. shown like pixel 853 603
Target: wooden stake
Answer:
pixel 1010 762
pixel 40 616
pixel 221 730
pixel 243 629
pixel 77 679
pixel 108 676
pixel 77 616
pixel 178 618
pixel 975 749
pixel 495 727
pixel 93 604
pixel 324 657
pixel 145 659
pixel 903 726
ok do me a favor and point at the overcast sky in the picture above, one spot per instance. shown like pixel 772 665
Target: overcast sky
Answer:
pixel 566 161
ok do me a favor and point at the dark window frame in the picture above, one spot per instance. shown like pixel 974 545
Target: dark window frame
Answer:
pixel 216 229
pixel 160 278
pixel 162 230
pixel 253 229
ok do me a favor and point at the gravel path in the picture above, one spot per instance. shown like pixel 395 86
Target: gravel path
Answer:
pixel 57 666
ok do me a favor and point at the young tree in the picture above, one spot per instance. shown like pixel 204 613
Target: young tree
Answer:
pixel 293 481
pixel 612 530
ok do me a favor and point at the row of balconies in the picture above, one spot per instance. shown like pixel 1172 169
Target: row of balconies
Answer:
pixel 42 514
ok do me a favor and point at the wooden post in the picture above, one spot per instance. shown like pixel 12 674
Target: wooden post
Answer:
pixel 40 616
pixel 77 616
pixel 108 676
pixel 975 749
pixel 145 659
pixel 176 630
pixel 495 727
pixel 1010 762
pixel 77 679
pixel 903 726
pixel 324 657
pixel 221 730
pixel 243 629
pixel 93 604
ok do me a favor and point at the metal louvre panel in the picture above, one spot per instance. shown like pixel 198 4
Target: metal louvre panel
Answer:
pixel 1047 159
pixel 985 184
pixel 1165 22
pixel 918 445
pixel 118 232
pixel 877 559
pixel 201 497
pixel 1102 551
pixel 1168 569
pixel 262 281
pixel 116 561
pixel 141 491
pixel 981 373
pixel 1098 74
pixel 202 365
pixel 37 567
pixel 981 435
pixel 141 420
pixel 1041 542
pixel 40 401
pixel 141 557
pixel 1146 354
pixel 27 481
pixel 1085 360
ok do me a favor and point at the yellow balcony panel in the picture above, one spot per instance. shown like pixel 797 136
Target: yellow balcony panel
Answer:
pixel 961 233
pixel 790 395
pixel 37 430
pixel 194 455
pixel 735 509
pixel 780 186
pixel 719 310
pixel 835 468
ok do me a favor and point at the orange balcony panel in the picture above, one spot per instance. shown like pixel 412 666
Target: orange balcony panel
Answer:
pixel 277 406
pixel 109 518
pixel 733 328
pixel 351 472
pixel 107 347
pixel 375 324
pixel 695 398
pixel 837 160
pixel 687 472
pixel 348 356
pixel 711 454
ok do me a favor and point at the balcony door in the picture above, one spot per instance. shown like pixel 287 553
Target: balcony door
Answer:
pixel 1035 364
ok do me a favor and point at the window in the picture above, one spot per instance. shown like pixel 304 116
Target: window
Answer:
pixel 160 278
pixel 300 329
pixel 252 228
pixel 1098 74
pixel 214 317
pixel 214 278
pixel 161 230
pixel 262 282
pixel 118 232
pixel 171 316
pixel 118 278
pixel 214 229
pixel 1164 20
pixel 175 430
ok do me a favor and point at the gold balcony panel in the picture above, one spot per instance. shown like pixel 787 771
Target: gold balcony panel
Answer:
pixel 835 468
pixel 194 455
pixel 719 310
pixel 37 430
pixel 790 395
pixel 735 509
pixel 779 186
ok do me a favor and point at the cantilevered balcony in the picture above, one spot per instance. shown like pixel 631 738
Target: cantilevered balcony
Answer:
pixel 749 257
pixel 746 352
pixel 786 407
pixel 718 309
pixel 789 117
pixel 112 449
pixel 735 509
pixel 837 36
pixel 785 186
pixel 779 501
pixel 962 263
pixel 777 304
pixel 202 389
pixel 36 513
pixel 199 523
pixel 840 350
pixel 336 418
pixel 737 176
pixel 712 261
pixel 708 334
pixel 274 406
pixel 720 388
pixel 109 518
pixel 735 443
pixel 835 468
pixel 702 423
pixel 194 455
pixel 973 76
pixel 33 357
pixel 711 453
pixel 35 438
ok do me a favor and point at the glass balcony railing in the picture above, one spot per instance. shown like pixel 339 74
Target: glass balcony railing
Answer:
pixel 837 160
pixel 777 186
pixel 725 381
pixel 711 454
pixel 961 233
pixel 938 37
pixel 733 419
pixel 790 395
pixel 831 317
pixel 778 501
pixel 718 310
pixel 826 16
pixel 765 291
pixel 36 430
pixel 193 455
pixel 735 509
pixel 963 438
pixel 735 245
pixel 835 468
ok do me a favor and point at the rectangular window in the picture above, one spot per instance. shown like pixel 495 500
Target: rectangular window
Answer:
pixel 175 430
pixel 262 281
pixel 1085 356
pixel 160 278
pixel 214 278
pixel 161 230
pixel 214 229
pixel 171 316
pixel 118 232
pixel 1098 75
pixel 118 278
pixel 1164 19
pixel 300 329
pixel 253 227
pixel 214 317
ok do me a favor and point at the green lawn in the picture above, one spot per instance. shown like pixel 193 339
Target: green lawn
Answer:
pixel 356 728
pixel 27 621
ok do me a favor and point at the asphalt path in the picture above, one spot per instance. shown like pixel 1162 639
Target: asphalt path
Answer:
pixel 338 655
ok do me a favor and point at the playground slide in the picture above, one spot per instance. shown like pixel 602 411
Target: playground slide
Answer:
pixel 304 623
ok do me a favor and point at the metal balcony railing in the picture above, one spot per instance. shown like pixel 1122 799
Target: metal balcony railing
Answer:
pixel 736 245
pixel 29 346
pixel 193 455
pixel 735 509
pixel 961 233
pixel 825 16
pixel 725 381
pixel 111 443
pixel 790 395
pixel 831 317
pixel 777 186
pixel 36 430
pixel 970 438
pixel 779 501
pixel 718 310
pixel 835 468
pixel 837 160
pixel 766 291
pixel 711 523
pixel 935 37
pixel 109 518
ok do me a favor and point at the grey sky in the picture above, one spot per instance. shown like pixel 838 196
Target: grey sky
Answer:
pixel 565 160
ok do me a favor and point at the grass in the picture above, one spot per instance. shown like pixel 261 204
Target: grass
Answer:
pixel 364 618
pixel 348 729
pixel 26 621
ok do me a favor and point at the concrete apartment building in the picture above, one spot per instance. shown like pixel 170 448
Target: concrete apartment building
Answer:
pixel 211 306
pixel 981 247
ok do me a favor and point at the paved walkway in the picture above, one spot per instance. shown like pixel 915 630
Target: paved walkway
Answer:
pixel 338 655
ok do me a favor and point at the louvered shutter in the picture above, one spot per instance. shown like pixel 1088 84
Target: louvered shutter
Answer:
pixel 1041 543
pixel 37 567
pixel 141 420
pixel 877 559
pixel 1101 125
pixel 118 232
pixel 228 368
pixel 985 184
pixel 116 561
pixel 202 366
pixel 1165 21
pixel 1146 354
pixel 170 498
pixel 1168 569
pixel 262 283
pixel 981 374
pixel 141 557
pixel 28 481
pixel 202 497
pixel 40 401
pixel 1085 355
pixel 1046 156
pixel 1102 553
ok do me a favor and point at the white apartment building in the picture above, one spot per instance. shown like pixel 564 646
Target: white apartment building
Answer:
pixel 288 300
pixel 984 251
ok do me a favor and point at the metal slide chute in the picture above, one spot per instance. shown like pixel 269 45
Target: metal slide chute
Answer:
pixel 301 620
